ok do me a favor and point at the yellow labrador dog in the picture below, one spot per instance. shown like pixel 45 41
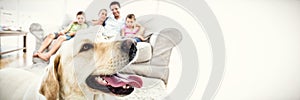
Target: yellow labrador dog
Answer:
pixel 82 68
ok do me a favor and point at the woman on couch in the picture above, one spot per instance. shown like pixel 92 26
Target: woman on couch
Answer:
pixel 102 14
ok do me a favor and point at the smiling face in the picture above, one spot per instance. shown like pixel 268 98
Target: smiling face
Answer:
pixel 115 10
pixel 80 19
pixel 102 15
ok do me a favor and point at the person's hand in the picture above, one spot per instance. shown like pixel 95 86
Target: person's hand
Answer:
pixel 61 33
pixel 130 36
pixel 95 22
pixel 75 22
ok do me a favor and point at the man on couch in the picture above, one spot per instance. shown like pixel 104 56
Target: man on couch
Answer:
pixel 115 22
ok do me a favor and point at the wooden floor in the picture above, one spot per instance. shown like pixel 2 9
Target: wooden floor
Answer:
pixel 16 59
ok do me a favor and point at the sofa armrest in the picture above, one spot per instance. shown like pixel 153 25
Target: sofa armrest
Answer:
pixel 158 66
pixel 37 31
pixel 163 43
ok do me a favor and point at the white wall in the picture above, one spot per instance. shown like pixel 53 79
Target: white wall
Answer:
pixel 50 13
pixel 262 43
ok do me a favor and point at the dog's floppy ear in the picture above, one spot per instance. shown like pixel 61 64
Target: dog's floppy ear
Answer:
pixel 50 82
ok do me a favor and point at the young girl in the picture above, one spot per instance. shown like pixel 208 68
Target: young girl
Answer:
pixel 61 36
pixel 131 28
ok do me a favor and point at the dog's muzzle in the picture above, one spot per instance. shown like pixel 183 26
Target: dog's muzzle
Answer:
pixel 118 83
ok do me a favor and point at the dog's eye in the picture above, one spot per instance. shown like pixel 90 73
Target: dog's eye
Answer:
pixel 86 47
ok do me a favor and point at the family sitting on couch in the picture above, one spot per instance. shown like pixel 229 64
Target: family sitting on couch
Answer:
pixel 126 26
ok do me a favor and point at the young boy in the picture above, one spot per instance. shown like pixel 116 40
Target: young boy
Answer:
pixel 61 36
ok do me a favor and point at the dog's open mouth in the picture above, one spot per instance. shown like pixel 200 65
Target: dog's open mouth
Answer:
pixel 117 83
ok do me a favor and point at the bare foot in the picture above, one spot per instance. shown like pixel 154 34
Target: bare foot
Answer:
pixel 36 54
pixel 45 57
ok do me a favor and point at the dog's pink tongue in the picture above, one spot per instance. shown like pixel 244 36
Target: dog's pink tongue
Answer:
pixel 119 80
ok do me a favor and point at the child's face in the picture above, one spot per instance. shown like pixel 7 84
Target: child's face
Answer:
pixel 130 22
pixel 102 15
pixel 80 19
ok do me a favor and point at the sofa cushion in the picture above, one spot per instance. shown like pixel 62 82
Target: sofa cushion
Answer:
pixel 144 53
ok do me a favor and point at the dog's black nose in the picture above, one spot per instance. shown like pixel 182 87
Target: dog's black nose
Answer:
pixel 129 46
pixel 126 45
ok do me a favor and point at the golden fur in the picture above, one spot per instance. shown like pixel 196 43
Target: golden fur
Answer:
pixel 64 77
